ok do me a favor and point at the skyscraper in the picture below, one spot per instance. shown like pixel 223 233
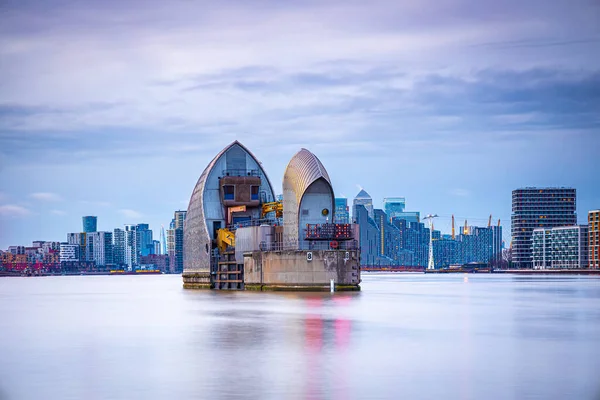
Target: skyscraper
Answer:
pixel 369 237
pixel 394 206
pixel 342 214
pixel 100 248
pixel 594 238
pixel 144 239
pixel 363 199
pixel 538 208
pixel 163 241
pixel 90 223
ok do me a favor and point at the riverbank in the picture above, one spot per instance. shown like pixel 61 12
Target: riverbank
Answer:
pixel 87 273
pixel 491 271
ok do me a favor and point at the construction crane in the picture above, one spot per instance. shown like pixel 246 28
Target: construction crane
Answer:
pixel 276 206
pixel 453 235
pixel 225 238
pixel 430 263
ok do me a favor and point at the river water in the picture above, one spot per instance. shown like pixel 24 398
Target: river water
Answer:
pixel 409 336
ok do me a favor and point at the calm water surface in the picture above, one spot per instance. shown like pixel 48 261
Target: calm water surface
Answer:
pixel 404 336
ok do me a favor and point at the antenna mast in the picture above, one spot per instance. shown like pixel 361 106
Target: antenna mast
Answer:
pixel 430 263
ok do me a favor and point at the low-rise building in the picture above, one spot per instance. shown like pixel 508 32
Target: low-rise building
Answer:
pixel 69 252
pixel 541 248
pixel 155 261
pixel 560 248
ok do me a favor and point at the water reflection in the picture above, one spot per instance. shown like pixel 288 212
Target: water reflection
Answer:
pixel 404 336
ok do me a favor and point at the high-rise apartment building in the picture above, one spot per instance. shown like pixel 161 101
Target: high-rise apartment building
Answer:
pixel 594 238
pixel 477 246
pixel 119 246
pixel 175 242
pixel 534 208
pixel 363 199
pixel 132 253
pixel 100 248
pixel 90 223
pixel 446 252
pixel 179 219
pixel 393 206
pixel 342 213
pixel 79 239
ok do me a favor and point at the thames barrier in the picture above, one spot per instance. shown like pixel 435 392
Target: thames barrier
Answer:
pixel 238 235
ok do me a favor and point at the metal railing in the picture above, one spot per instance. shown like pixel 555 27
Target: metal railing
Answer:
pixel 240 172
pixel 256 222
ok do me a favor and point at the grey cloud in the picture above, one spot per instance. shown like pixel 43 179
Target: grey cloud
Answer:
pixel 431 107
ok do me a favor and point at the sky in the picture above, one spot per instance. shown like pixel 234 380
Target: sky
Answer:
pixel 114 108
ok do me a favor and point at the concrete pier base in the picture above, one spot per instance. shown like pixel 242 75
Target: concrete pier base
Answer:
pixel 302 270
pixel 196 280
pixel 301 288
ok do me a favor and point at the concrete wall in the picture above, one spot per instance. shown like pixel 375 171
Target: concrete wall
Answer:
pixel 248 239
pixel 290 270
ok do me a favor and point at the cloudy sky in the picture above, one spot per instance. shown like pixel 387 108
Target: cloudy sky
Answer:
pixel 114 108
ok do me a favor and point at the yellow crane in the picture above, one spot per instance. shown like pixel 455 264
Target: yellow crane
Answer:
pixel 276 206
pixel 225 238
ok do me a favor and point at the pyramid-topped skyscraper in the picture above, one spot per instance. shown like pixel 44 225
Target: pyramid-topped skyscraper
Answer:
pixel 364 199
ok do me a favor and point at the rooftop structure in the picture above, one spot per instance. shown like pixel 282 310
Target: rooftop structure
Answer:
pixel 90 223
pixel 394 206
pixel 364 199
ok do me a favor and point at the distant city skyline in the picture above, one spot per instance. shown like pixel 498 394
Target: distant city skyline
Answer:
pixel 450 106
pixel 443 223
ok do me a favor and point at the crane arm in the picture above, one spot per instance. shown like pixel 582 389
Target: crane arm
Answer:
pixel 276 206
pixel 225 238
